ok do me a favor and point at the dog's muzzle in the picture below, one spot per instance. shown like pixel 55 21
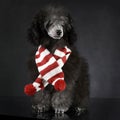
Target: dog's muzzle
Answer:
pixel 56 31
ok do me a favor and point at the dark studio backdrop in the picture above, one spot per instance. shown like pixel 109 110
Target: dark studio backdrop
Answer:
pixel 98 29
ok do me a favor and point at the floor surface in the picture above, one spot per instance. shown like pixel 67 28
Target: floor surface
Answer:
pixel 99 109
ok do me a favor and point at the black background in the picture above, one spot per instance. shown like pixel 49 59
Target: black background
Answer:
pixel 98 29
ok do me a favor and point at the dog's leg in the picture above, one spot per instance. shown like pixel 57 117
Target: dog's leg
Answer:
pixel 61 101
pixel 41 101
pixel 81 98
pixel 82 107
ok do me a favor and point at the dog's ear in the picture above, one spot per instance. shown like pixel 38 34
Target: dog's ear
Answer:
pixel 70 21
pixel 71 34
pixel 36 30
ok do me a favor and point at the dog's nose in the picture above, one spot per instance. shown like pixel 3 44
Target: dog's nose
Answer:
pixel 58 32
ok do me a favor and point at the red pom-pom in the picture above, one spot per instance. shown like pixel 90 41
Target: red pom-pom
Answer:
pixel 29 90
pixel 60 85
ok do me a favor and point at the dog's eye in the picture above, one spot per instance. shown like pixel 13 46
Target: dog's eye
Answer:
pixel 48 24
pixel 62 23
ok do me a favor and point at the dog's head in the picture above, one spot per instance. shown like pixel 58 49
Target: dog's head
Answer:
pixel 54 23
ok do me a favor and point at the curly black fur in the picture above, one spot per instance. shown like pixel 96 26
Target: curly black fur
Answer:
pixel 75 69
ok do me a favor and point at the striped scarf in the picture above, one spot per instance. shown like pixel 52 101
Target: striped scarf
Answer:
pixel 50 69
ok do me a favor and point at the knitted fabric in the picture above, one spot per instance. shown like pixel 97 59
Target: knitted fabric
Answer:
pixel 50 69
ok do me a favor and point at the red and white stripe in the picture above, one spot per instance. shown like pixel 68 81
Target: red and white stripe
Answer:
pixel 50 66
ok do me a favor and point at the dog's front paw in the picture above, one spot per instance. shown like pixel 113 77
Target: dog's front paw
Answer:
pixel 80 110
pixel 41 108
pixel 60 102
pixel 60 107
pixel 38 108
pixel 60 110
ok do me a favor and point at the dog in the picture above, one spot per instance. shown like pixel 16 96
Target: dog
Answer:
pixel 52 27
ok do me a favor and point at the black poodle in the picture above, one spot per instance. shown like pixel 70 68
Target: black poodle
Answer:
pixel 53 28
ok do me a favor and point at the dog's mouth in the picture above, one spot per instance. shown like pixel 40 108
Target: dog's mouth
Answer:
pixel 56 37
